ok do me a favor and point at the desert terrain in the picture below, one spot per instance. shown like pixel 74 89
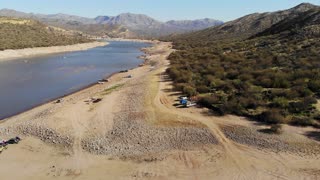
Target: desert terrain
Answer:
pixel 137 131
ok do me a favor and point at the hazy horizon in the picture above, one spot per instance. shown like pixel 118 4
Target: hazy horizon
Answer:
pixel 163 11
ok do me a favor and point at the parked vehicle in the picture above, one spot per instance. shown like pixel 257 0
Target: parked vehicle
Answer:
pixel 186 102
pixel 96 100
pixel 124 71
pixel 58 101
pixel 191 104
pixel 183 98
pixel 15 140
pixel 104 80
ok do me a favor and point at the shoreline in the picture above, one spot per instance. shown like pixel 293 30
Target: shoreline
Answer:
pixel 57 98
pixel 84 88
pixel 10 54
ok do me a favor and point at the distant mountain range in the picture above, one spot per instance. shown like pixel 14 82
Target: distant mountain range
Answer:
pixel 127 24
pixel 148 26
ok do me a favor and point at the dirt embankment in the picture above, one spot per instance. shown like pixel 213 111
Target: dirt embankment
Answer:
pixel 40 51
pixel 132 135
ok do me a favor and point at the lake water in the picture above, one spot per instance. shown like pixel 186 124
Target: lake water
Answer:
pixel 26 83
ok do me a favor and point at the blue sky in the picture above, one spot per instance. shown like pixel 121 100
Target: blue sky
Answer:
pixel 161 9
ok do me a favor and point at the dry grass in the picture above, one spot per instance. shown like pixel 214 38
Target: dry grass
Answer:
pixel 15 21
pixel 111 89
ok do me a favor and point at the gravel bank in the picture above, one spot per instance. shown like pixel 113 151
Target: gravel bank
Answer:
pixel 39 131
pixel 131 135
pixel 278 143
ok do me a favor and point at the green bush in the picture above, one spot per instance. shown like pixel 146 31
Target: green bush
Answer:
pixel 280 102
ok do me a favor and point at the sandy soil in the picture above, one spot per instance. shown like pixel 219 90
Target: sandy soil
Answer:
pixel 137 132
pixel 30 52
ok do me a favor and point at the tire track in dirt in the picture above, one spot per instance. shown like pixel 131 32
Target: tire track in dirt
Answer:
pixel 244 159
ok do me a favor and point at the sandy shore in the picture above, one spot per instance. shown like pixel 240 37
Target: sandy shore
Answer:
pixel 137 132
pixel 30 52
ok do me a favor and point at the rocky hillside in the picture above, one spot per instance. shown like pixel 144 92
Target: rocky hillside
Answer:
pixel 269 72
pixel 305 24
pixel 249 25
pixel 123 25
pixel 16 33
pixel 46 18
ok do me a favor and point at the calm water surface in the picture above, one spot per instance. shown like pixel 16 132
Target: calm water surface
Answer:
pixel 26 83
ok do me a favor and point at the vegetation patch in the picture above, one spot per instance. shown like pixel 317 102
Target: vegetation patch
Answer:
pixel 273 77
pixel 20 33
pixel 111 89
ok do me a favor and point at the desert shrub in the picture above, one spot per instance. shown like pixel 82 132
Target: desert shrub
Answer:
pixel 232 74
pixel 291 94
pixel 302 121
pixel 184 77
pixel 208 101
pixel 310 100
pixel 303 105
pixel 276 128
pixel 302 90
pixel 280 102
pixel 232 106
pixel 316 116
pixel 189 91
pixel 272 116
pixel 203 89
pixel 249 102
pixel 280 82
pixel 173 73
pixel 297 107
